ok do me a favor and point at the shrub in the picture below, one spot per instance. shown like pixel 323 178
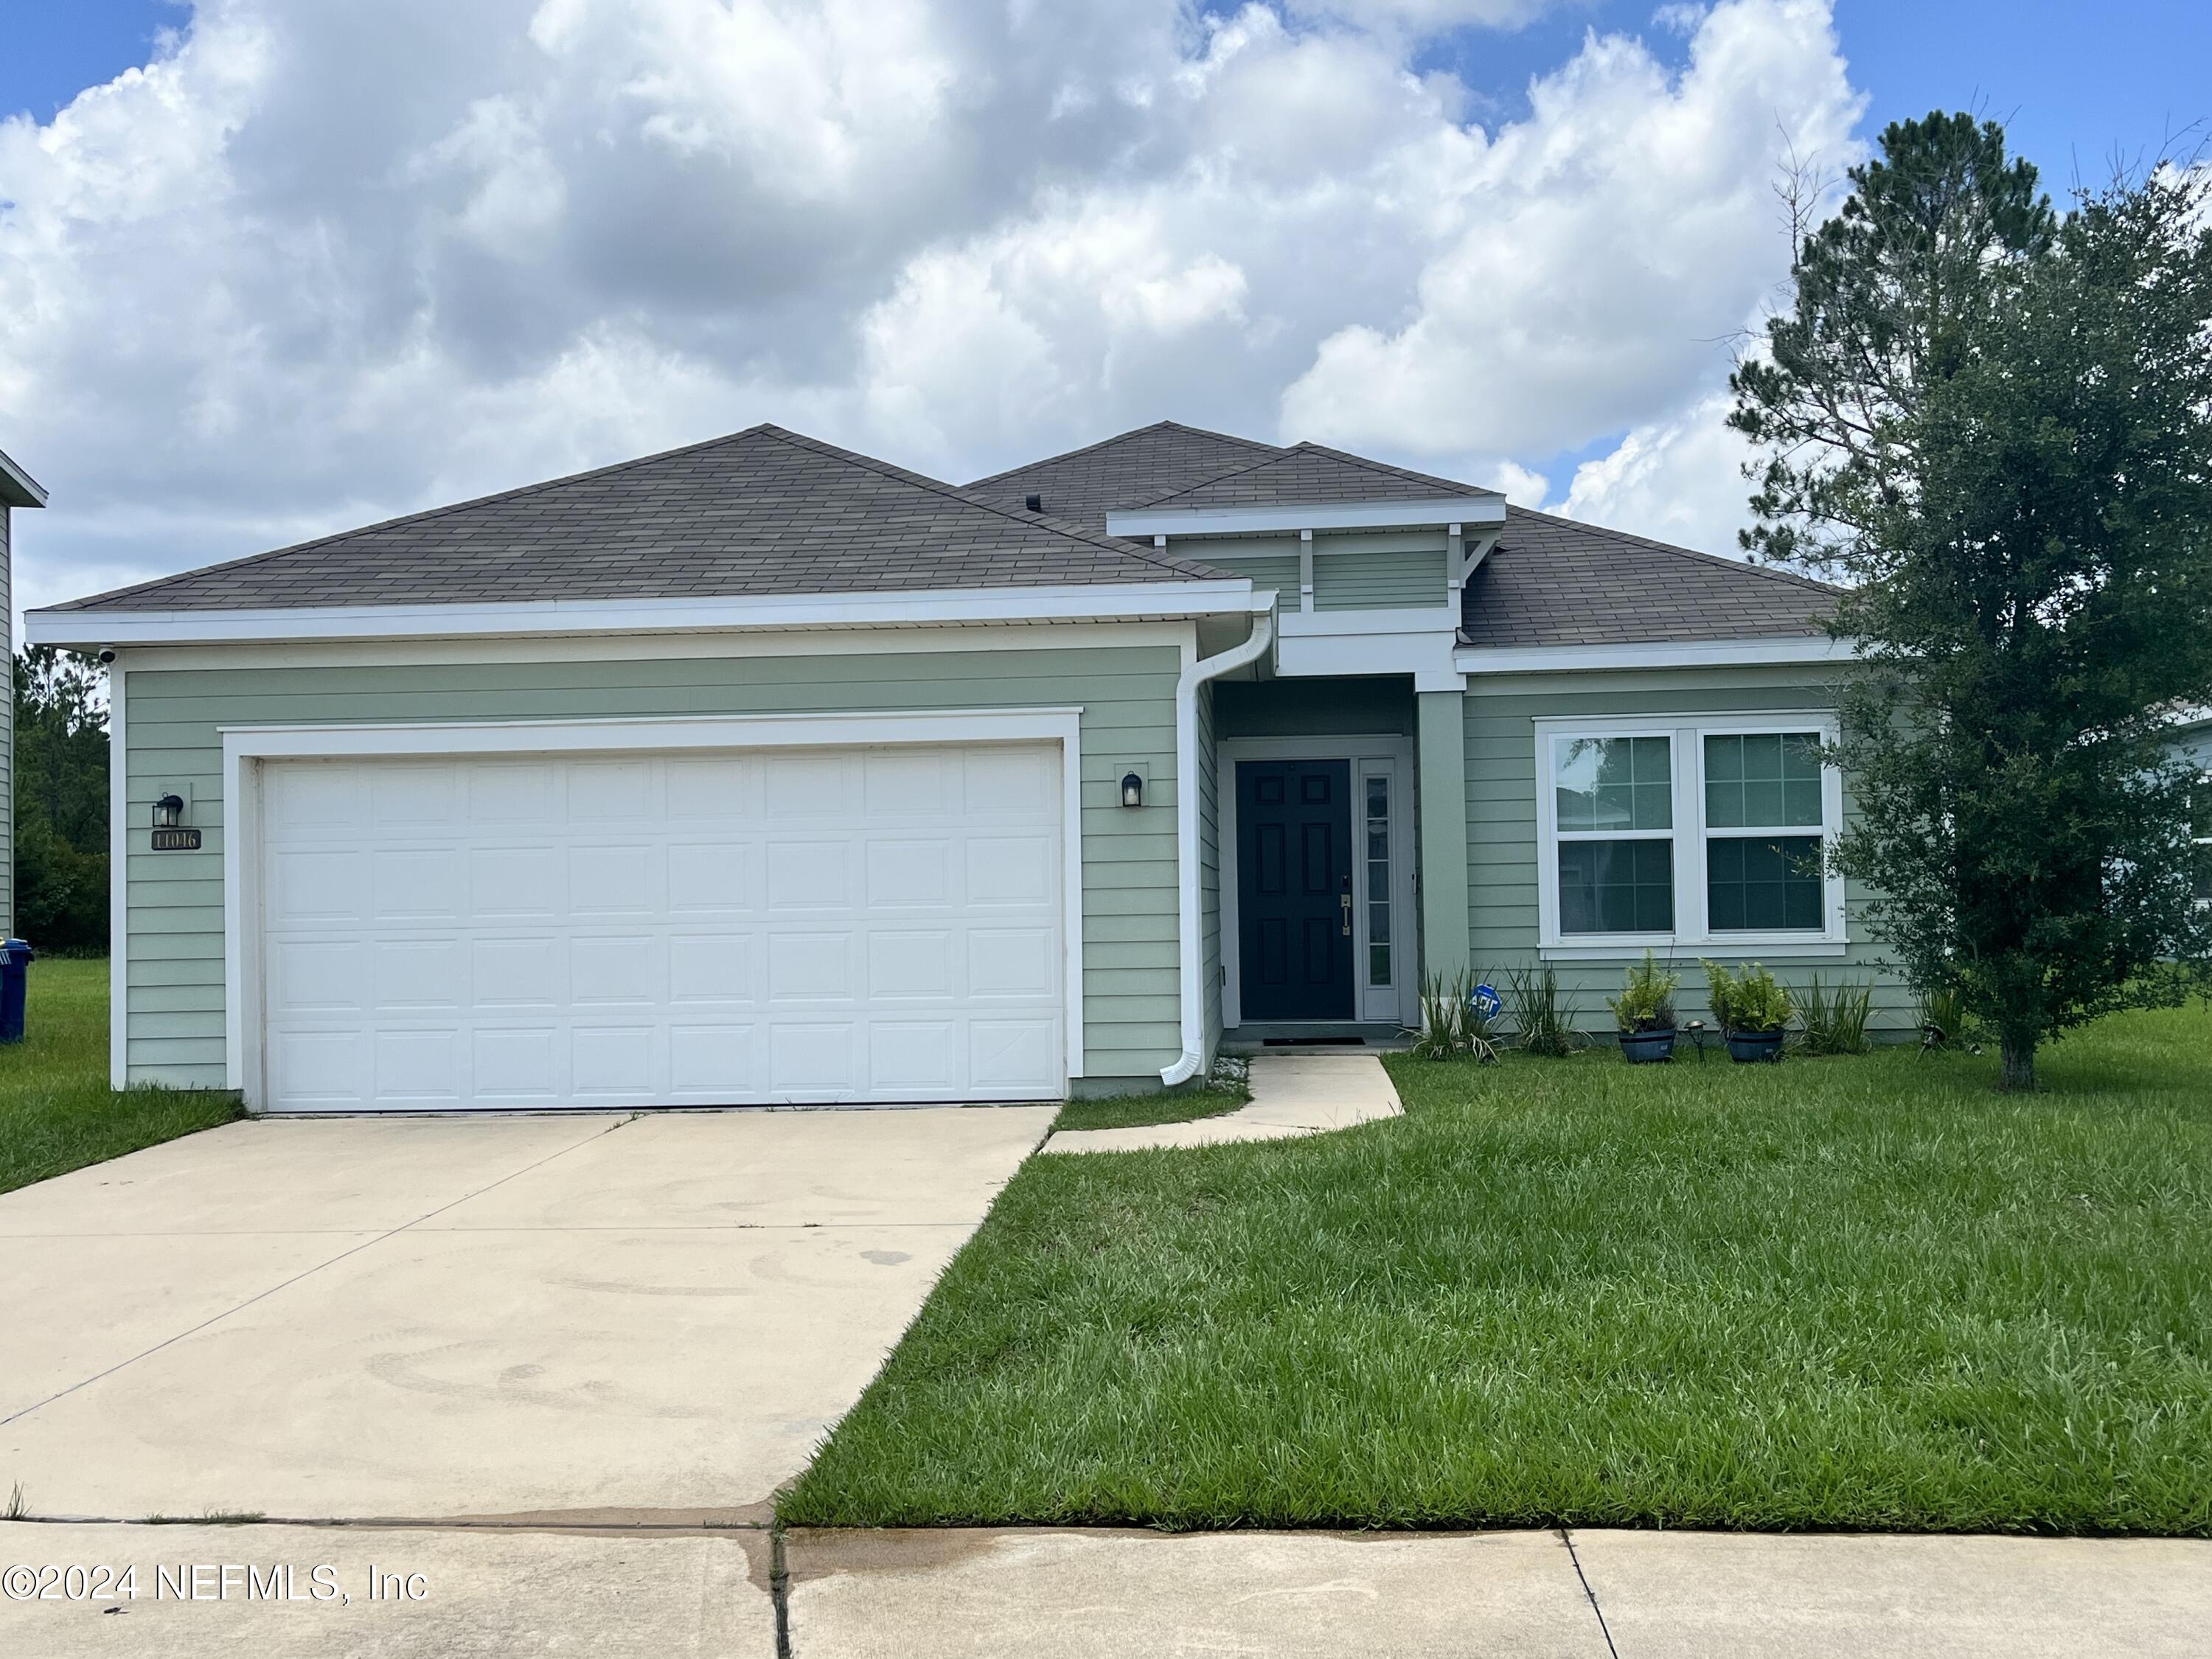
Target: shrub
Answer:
pixel 1646 1002
pixel 1750 1000
pixel 1545 1021
pixel 1450 1022
pixel 1835 1022
pixel 1942 1017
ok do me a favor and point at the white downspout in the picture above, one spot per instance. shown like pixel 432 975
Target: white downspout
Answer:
pixel 1191 901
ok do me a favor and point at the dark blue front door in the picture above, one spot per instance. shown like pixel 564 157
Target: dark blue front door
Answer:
pixel 1294 889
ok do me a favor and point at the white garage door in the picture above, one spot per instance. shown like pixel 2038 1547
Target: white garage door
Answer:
pixel 679 929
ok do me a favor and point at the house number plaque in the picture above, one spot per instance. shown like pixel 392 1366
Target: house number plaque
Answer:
pixel 176 840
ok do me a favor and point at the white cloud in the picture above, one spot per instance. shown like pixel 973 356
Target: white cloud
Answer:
pixel 319 263
pixel 1601 248
pixel 1680 480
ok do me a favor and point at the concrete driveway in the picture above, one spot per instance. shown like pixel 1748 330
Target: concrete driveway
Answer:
pixel 571 1319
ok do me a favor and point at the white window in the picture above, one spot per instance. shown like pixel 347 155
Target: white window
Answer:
pixel 1701 832
pixel 2200 832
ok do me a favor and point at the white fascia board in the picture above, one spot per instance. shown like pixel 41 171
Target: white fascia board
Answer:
pixel 17 486
pixel 1423 620
pixel 934 608
pixel 1434 511
pixel 1678 653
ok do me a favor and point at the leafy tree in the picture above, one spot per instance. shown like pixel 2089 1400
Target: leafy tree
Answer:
pixel 1993 423
pixel 61 802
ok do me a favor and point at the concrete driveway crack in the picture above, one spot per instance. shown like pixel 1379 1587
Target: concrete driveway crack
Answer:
pixel 1575 1556
pixel 305 1273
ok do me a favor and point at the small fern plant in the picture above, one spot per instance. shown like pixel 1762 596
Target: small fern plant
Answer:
pixel 1646 1002
pixel 1750 1001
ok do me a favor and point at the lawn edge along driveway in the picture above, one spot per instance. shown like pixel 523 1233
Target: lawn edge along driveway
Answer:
pixel 1863 1294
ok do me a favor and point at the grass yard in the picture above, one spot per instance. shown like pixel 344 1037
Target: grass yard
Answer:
pixel 57 1112
pixel 1863 1293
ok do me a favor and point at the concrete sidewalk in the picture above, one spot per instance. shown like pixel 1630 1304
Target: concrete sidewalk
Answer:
pixel 1300 1092
pixel 672 1592
pixel 1585 1594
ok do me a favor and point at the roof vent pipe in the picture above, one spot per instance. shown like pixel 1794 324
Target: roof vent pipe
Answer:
pixel 1035 503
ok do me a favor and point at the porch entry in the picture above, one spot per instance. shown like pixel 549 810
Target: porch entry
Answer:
pixel 1294 899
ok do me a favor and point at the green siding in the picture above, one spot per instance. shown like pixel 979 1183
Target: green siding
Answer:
pixel 1379 581
pixel 172 718
pixel 1501 827
pixel 1268 563
pixel 1445 863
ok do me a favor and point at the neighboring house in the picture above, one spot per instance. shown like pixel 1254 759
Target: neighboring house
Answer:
pixel 2193 744
pixel 764 771
pixel 17 488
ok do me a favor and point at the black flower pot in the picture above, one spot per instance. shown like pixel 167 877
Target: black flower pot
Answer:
pixel 1646 1048
pixel 1755 1048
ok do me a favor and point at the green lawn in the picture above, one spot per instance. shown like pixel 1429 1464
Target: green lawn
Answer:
pixel 57 1112
pixel 1844 1293
pixel 1167 1106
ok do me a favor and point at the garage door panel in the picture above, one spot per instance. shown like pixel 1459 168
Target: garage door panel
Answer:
pixel 810 967
pixel 419 1067
pixel 914 1054
pixel 310 976
pixel 325 886
pixel 811 1061
pixel 412 974
pixel 809 875
pixel 515 1065
pixel 619 878
pixel 515 882
pixel 907 965
pixel 421 797
pixel 713 968
pixel 706 928
pixel 909 874
pixel 711 877
pixel 1009 871
pixel 1015 963
pixel 419 884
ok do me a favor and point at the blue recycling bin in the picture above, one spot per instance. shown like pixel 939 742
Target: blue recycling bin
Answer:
pixel 14 981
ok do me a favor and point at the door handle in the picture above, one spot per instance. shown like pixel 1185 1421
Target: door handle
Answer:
pixel 1344 900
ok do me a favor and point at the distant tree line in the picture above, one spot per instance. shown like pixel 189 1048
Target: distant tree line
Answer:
pixel 61 803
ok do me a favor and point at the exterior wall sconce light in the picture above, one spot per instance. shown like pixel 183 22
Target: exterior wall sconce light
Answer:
pixel 168 811
pixel 1133 790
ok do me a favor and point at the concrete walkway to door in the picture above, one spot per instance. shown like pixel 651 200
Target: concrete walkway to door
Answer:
pixel 1294 1093
pixel 421 1317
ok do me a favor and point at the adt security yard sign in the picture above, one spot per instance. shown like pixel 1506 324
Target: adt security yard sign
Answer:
pixel 1486 1001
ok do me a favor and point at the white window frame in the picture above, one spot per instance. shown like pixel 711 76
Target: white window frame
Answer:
pixel 1693 930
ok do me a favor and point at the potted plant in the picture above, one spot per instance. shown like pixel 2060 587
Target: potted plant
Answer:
pixel 1644 1011
pixel 1752 1009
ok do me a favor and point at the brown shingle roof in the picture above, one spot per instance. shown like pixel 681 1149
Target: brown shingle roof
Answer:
pixel 1558 581
pixel 1086 484
pixel 760 512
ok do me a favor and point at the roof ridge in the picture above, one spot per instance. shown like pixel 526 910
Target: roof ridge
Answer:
pixel 955 492
pixel 425 514
pixel 1207 483
pixel 1768 571
pixel 1118 437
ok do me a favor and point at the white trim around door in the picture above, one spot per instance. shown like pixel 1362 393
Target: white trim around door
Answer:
pixel 245 748
pixel 1391 759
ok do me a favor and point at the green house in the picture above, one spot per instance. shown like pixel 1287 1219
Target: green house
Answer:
pixel 762 771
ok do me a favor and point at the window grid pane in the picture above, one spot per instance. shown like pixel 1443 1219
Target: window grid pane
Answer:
pixel 1754 780
pixel 1764 883
pixel 1613 783
pixel 1616 887
pixel 1378 881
